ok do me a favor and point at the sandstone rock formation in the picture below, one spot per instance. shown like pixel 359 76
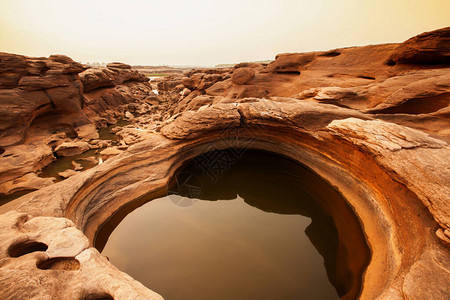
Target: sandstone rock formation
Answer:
pixel 378 166
pixel 54 106
pixel 57 263
pixel 242 75
pixel 377 132
pixel 426 49
pixel 33 87
pixel 411 94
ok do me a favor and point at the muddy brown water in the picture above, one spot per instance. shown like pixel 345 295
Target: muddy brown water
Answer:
pixel 63 163
pixel 257 226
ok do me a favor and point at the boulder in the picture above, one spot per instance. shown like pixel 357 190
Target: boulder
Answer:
pixel 169 83
pixel 67 173
pixel 61 64
pixel 71 148
pixel 12 68
pixel 118 65
pixel 100 77
pixel 242 75
pixel 35 87
pixel 129 115
pixel 110 152
pixel 17 161
pixel 333 93
pixel 185 92
pixel 189 83
pixel 90 274
pixel 290 62
pixel 94 78
pixel 77 166
pixel 248 65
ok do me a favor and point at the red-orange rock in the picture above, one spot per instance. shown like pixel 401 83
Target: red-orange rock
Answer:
pixel 94 78
pixel 201 81
pixel 118 65
pixel 12 68
pixel 427 48
pixel 97 77
pixel 395 178
pixel 290 62
pixel 248 65
pixel 242 75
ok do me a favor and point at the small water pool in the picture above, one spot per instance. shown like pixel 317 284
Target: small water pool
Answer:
pixel 257 226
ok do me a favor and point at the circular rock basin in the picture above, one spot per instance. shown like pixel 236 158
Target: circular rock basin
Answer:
pixel 241 224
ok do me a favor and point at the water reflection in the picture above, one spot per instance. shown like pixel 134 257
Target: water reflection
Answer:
pixel 262 228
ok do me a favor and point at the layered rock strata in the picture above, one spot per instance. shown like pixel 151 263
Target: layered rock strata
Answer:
pixel 52 107
pixel 373 125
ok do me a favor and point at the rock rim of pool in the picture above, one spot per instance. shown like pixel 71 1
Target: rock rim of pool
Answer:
pixel 394 177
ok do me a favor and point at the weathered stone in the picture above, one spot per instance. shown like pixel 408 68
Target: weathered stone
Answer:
pixel 395 178
pixel 110 152
pixel 242 75
pixel 19 163
pixel 27 182
pixel 71 148
pixel 339 144
pixel 67 173
pixel 129 115
pixel 77 166
pixel 427 48
pixel 94 78
pixel 89 273
pixel 118 65
pixel 290 62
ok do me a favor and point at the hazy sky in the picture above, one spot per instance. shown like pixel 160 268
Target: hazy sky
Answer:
pixel 207 32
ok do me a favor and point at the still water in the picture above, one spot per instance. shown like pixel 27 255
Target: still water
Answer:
pixel 258 227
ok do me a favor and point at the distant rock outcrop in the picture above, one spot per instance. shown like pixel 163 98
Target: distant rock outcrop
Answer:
pixel 290 62
pixel 118 65
pixel 428 48
pixel 242 75
pixel 417 85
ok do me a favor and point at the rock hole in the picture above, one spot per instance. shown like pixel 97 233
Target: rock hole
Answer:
pixel 44 70
pixel 366 77
pixel 102 296
pixel 60 263
pixel 416 106
pixel 331 53
pixel 390 62
pixel 2 151
pixel 22 248
pixel 290 72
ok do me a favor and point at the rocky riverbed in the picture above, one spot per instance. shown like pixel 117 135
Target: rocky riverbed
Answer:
pixel 372 121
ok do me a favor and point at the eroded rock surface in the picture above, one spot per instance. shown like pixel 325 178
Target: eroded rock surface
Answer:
pixel 426 48
pixel 55 106
pixel 377 131
pixel 377 79
pixel 49 258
